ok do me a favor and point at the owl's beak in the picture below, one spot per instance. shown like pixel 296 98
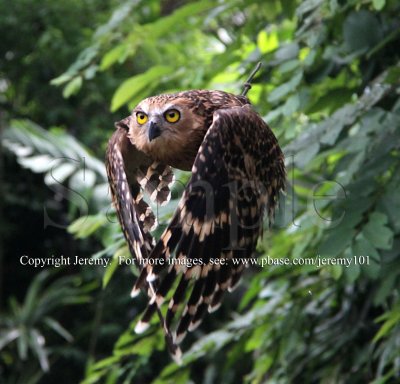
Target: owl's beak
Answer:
pixel 154 131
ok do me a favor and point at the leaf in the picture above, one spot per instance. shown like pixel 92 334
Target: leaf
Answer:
pixel 363 248
pixel 377 232
pixel 39 163
pixel 352 272
pixel 292 105
pixel 67 76
pixel 110 270
pixel 104 363
pixel 336 271
pixel 58 328
pixel 346 115
pixel 8 336
pixel 361 31
pixel 37 342
pixel 303 158
pixel 393 75
pixel 59 173
pixel 267 42
pixel 392 319
pixel 86 225
pixel 213 341
pixel 90 72
pixel 386 287
pixel 132 86
pixel 307 6
pixel 378 4
pixel 282 90
pixel 72 87
pixel 117 18
pixel 178 19
pixel 331 100
pixel 33 295
pixel 289 66
pixel 142 347
pixel 22 344
pixel 336 241
pixel 286 52
pixel 117 54
pixel 334 126
pixel 391 203
pixel 83 179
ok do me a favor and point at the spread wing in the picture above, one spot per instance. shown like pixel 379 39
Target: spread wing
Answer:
pixel 237 174
pixel 130 172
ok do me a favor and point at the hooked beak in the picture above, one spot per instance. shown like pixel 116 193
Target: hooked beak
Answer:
pixel 154 131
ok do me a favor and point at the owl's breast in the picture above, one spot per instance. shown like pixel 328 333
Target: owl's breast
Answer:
pixel 178 151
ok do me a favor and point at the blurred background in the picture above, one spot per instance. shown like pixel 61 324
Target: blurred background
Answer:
pixel 329 88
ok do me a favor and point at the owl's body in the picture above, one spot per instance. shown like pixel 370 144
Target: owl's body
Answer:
pixel 237 172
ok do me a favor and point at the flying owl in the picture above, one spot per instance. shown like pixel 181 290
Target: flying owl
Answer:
pixel 237 170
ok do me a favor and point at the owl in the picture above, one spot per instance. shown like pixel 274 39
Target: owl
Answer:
pixel 237 171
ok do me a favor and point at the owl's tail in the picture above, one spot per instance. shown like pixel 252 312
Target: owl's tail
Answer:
pixel 144 323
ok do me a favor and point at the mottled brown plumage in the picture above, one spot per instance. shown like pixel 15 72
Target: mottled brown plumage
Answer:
pixel 237 172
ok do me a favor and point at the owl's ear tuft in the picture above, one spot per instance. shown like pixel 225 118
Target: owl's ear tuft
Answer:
pixel 124 123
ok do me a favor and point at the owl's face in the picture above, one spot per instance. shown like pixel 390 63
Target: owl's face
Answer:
pixel 161 126
pixel 153 123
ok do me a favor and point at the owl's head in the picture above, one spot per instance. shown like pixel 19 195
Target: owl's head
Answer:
pixel 161 126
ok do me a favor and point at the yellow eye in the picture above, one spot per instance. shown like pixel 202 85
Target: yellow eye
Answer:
pixel 141 118
pixel 172 116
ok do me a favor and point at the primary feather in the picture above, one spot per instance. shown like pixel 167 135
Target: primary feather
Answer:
pixel 237 172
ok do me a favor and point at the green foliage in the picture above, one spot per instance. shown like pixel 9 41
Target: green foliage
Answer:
pixel 69 168
pixel 27 324
pixel 329 88
pixel 132 87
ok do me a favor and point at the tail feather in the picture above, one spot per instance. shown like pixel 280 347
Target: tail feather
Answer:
pixel 190 310
pixel 209 288
pixel 176 300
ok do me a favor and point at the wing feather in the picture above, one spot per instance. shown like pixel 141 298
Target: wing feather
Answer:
pixel 130 172
pixel 237 174
pixel 125 190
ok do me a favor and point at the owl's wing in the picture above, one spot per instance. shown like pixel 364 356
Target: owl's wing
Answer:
pixel 238 172
pixel 130 172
